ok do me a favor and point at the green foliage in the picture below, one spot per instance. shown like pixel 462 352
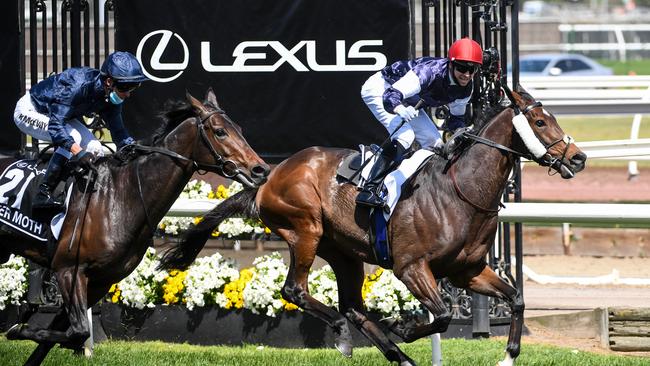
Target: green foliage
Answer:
pixel 456 352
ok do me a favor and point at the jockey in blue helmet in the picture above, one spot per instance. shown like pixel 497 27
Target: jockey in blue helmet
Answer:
pixel 53 110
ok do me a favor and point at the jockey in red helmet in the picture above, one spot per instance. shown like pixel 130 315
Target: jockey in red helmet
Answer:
pixel 392 93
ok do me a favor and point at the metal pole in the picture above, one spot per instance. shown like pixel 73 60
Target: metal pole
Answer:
pixel 480 316
pixel 75 33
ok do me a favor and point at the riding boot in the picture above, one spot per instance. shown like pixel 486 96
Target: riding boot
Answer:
pixel 45 204
pixel 389 158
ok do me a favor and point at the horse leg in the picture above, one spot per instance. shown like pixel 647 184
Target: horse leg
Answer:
pixel 60 322
pixel 349 279
pixel 489 283
pixel 295 289
pixel 419 280
pixel 75 306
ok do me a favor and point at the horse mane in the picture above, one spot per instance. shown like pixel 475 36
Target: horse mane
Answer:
pixel 486 114
pixel 174 112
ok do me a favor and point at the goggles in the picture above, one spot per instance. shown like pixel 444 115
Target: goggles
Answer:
pixel 465 67
pixel 126 87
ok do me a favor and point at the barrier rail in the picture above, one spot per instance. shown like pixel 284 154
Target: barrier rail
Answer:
pixel 575 95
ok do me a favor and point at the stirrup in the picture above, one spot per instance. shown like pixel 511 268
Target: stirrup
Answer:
pixel 369 199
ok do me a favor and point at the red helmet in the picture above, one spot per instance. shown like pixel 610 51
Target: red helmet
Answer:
pixel 466 49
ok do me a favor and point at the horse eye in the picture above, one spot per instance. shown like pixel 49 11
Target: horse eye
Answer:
pixel 540 123
pixel 220 133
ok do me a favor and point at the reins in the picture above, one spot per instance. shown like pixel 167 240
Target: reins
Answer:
pixel 228 168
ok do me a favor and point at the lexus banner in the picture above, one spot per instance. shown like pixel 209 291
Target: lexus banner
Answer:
pixel 289 72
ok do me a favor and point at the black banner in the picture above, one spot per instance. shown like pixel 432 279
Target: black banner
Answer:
pixel 289 71
pixel 10 76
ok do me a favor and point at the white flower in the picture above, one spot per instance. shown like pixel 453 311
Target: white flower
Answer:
pixel 205 281
pixel 262 293
pixel 13 281
pixel 390 296
pixel 322 286
pixel 140 289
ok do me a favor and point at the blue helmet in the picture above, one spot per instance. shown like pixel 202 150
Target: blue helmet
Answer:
pixel 123 67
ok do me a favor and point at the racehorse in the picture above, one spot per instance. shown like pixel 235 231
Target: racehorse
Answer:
pixel 119 215
pixel 443 226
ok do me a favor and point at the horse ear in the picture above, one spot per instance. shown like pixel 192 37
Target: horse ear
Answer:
pixel 211 98
pixel 196 104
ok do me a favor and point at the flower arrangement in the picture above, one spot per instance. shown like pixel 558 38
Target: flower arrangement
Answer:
pixel 13 281
pixel 231 228
pixel 215 281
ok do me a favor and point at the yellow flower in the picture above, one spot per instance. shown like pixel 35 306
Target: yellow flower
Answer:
pixel 289 306
pixel 173 286
pixel 215 233
pixel 369 281
pixel 211 195
pixel 234 291
pixel 197 220
pixel 222 192
pixel 267 231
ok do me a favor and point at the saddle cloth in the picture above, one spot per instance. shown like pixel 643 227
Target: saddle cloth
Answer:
pixel 393 181
pixel 18 185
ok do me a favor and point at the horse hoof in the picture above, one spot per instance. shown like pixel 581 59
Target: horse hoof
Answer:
pixel 407 363
pixel 345 348
pixel 14 332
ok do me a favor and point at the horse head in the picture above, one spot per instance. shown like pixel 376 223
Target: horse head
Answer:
pixel 222 147
pixel 543 137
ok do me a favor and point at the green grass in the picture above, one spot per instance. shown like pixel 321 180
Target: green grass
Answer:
pixel 599 128
pixel 630 67
pixel 455 353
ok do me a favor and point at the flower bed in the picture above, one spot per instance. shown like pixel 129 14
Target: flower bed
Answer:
pixel 216 282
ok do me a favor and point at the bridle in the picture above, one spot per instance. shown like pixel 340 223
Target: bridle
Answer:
pixel 546 159
pixel 225 167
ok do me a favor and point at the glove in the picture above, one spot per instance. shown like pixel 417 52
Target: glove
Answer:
pixel 84 160
pixel 407 113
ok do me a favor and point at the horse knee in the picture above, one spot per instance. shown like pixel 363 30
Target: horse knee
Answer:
pixel 517 305
pixel 293 294
pixel 443 321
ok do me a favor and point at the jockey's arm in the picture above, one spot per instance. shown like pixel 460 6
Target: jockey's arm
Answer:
pixel 113 118
pixel 59 113
pixel 406 87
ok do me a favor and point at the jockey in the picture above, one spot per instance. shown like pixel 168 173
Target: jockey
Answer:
pixel 392 93
pixel 53 111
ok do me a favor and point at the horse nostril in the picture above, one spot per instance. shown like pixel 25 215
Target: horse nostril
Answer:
pixel 261 170
pixel 579 158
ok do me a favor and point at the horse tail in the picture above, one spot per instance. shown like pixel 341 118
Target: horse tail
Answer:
pixel 180 254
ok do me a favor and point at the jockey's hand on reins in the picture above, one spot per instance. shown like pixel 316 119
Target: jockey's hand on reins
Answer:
pixel 83 162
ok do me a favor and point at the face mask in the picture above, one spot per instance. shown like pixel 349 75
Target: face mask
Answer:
pixel 114 98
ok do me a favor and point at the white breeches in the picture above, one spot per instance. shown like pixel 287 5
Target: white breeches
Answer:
pixel 420 127
pixel 34 124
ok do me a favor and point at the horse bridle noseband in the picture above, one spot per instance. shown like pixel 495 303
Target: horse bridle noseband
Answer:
pixel 546 160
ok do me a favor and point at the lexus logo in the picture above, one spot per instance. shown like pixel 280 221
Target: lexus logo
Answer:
pixel 261 50
pixel 155 63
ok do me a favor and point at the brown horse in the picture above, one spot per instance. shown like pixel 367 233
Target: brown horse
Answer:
pixel 120 214
pixel 443 225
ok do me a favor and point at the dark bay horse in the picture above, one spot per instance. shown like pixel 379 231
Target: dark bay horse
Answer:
pixel 443 225
pixel 119 216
